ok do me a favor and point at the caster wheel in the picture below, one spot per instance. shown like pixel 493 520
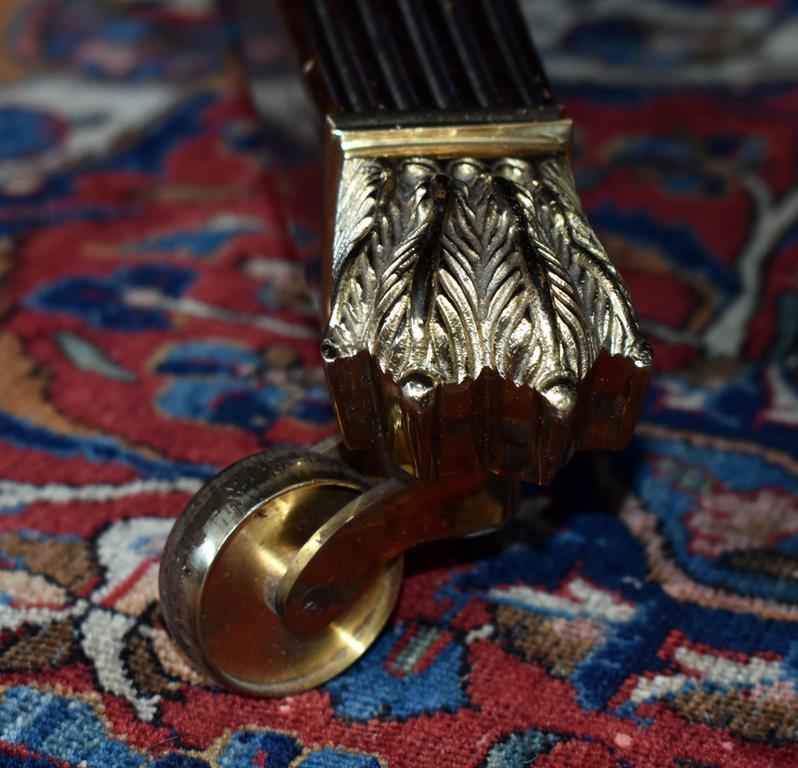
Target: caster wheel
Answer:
pixel 224 561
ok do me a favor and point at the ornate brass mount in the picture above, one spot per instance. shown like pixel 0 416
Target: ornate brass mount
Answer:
pixel 477 334
pixel 475 321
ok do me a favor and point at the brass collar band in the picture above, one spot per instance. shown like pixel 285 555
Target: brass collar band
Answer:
pixel 514 139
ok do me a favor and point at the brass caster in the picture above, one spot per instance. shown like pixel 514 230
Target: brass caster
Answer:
pixel 284 568
pixel 227 555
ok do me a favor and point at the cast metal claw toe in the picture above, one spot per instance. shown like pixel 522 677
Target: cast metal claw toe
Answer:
pixel 475 321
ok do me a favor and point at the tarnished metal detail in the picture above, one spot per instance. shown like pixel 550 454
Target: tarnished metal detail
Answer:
pixel 478 280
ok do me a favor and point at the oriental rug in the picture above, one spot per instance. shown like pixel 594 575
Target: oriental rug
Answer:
pixel 158 212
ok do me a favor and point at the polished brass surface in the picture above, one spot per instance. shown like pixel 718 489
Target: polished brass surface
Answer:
pixel 475 323
pixel 229 552
pixel 463 140
pixel 375 529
